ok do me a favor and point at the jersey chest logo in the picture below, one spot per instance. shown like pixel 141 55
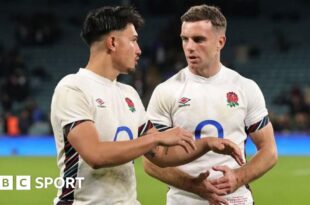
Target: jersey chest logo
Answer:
pixel 130 104
pixel 184 102
pixel 100 102
pixel 232 99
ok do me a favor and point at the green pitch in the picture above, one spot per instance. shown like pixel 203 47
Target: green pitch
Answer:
pixel 288 183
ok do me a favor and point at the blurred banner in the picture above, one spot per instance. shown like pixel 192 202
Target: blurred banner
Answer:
pixel 288 144
pixel 27 146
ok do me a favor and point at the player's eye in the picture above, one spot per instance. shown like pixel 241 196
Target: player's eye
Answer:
pixel 199 39
pixel 184 39
pixel 135 39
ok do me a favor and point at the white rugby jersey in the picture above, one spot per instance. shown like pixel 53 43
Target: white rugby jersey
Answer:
pixel 117 112
pixel 220 106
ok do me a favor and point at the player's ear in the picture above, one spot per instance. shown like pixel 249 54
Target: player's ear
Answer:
pixel 110 43
pixel 221 41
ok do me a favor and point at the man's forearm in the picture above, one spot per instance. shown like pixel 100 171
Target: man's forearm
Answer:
pixel 169 175
pixel 265 158
pixel 176 155
pixel 263 161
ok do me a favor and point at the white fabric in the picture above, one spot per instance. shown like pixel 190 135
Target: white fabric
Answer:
pixel 206 99
pixel 88 96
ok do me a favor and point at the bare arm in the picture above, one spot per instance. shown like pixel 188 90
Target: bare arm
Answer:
pixel 261 162
pixel 173 176
pixel 179 179
pixel 266 149
pixel 85 139
pixel 176 155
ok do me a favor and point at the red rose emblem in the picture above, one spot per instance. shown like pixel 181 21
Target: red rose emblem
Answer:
pixel 232 99
pixel 130 104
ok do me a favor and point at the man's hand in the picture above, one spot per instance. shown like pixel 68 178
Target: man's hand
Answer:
pixel 225 146
pixel 229 182
pixel 205 189
pixel 177 136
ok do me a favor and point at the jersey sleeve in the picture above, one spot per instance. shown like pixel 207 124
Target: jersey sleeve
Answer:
pixel 158 109
pixel 256 106
pixel 71 105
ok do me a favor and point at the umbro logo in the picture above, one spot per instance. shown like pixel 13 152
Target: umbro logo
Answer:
pixel 184 102
pixel 100 102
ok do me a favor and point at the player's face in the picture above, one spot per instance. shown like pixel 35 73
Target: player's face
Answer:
pixel 201 44
pixel 127 51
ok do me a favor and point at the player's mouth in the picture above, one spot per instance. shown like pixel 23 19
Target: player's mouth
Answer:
pixel 192 59
pixel 136 60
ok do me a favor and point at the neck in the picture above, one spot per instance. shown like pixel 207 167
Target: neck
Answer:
pixel 102 65
pixel 206 72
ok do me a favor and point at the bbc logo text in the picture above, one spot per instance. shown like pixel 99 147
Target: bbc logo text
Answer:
pixel 24 182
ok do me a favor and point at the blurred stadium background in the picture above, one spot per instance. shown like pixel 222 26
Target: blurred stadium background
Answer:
pixel 267 41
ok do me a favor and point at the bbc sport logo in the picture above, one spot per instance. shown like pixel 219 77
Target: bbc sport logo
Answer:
pixel 7 182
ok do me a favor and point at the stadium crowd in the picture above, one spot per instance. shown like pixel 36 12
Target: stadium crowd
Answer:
pixel 21 115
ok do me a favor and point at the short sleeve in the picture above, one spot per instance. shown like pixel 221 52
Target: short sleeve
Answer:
pixel 256 106
pixel 158 108
pixel 70 105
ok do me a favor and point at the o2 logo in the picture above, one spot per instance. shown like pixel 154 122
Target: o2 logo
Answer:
pixel 198 130
pixel 201 125
pixel 123 129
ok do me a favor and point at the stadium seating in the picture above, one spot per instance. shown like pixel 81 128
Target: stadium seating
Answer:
pixel 277 45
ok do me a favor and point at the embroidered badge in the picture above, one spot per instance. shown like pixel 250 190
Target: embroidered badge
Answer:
pixel 184 102
pixel 232 99
pixel 100 102
pixel 130 104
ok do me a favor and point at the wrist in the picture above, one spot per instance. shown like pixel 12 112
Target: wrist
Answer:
pixel 206 143
pixel 189 183
pixel 240 176
pixel 195 186
pixel 155 139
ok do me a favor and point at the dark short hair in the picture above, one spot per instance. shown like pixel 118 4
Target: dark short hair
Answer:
pixel 103 20
pixel 205 12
